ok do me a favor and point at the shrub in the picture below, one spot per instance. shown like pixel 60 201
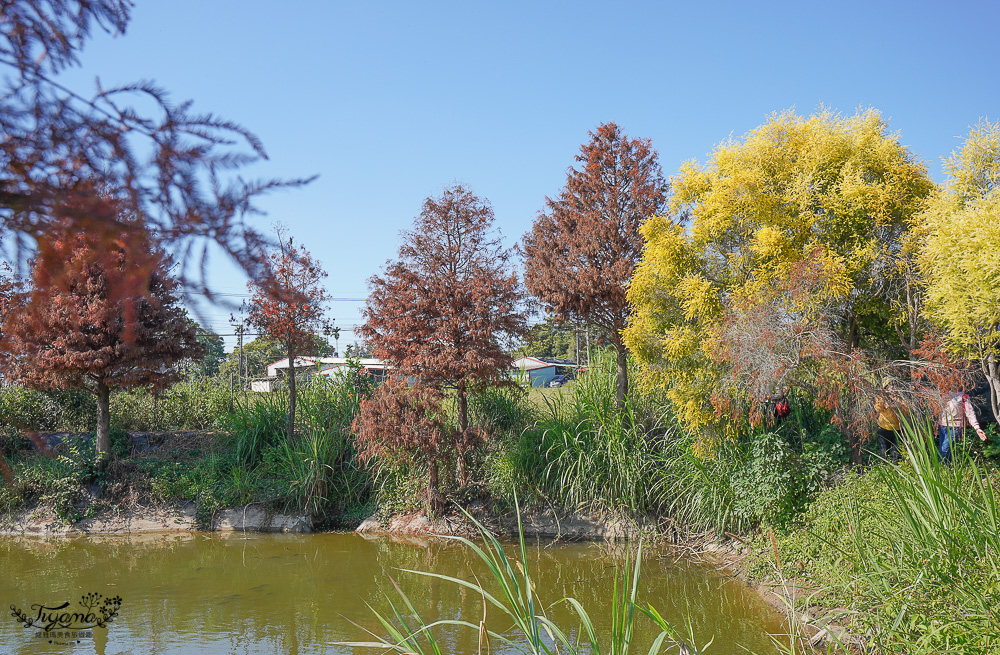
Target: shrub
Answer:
pixel 27 409
pixel 187 405
pixel 257 422
pixel 909 548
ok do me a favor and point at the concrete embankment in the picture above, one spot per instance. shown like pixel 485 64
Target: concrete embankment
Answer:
pixel 161 519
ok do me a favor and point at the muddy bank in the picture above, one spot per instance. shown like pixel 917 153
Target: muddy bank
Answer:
pixel 546 524
pixel 174 519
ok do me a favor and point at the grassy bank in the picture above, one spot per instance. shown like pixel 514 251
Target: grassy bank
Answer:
pixel 907 551
pixel 243 458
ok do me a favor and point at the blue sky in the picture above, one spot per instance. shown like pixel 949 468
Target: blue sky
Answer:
pixel 388 102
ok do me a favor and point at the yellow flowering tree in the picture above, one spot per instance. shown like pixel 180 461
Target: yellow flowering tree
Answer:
pixel 960 253
pixel 833 188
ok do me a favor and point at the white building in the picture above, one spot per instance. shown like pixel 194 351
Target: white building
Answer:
pixel 326 366
pixel 539 371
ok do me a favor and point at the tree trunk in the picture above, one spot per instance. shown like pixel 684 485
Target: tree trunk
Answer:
pixel 463 426
pixel 852 436
pixel 291 393
pixel 435 503
pixel 621 358
pixel 103 437
pixel 852 336
pixel 993 377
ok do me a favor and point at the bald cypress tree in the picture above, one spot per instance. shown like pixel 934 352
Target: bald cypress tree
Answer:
pixel 444 311
pixel 82 333
pixel 583 248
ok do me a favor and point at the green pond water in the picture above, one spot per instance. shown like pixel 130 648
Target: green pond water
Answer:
pixel 254 594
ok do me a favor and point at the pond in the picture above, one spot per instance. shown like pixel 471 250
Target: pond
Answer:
pixel 215 594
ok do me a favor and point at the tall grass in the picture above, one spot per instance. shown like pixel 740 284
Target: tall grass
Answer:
pixel 323 465
pixel 256 423
pixel 699 493
pixel 319 466
pixel 944 537
pixel 585 451
pixel 514 596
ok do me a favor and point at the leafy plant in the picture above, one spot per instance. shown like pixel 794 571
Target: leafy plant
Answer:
pixel 257 422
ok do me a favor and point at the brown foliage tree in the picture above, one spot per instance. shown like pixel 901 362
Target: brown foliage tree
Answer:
pixel 405 424
pixel 443 312
pixel 171 166
pixel 289 308
pixel 80 334
pixel 582 250
pixel 788 339
pixel 785 339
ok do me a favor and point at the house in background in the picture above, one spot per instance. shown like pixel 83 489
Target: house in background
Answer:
pixel 374 368
pixel 325 366
pixel 539 371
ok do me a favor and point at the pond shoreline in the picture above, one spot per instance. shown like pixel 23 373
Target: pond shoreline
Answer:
pixel 729 554
pixel 820 627
pixel 155 519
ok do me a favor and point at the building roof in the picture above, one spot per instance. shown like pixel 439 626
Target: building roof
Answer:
pixel 324 362
pixel 557 361
pixel 533 363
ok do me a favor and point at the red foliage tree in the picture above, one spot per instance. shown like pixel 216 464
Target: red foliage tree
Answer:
pixel 7 289
pixel 169 165
pixel 405 424
pixel 582 250
pixel 289 307
pixel 445 310
pixel 787 339
pixel 81 334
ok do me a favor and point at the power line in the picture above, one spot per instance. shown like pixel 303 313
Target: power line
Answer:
pixel 247 295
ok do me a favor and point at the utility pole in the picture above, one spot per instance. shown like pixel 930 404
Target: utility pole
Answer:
pixel 577 331
pixel 240 367
pixel 239 329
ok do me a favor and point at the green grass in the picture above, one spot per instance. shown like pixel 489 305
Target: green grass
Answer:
pixel 912 550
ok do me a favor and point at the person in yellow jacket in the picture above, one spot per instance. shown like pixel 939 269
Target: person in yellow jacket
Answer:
pixel 888 424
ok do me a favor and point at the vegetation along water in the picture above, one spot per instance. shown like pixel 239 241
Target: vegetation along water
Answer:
pixel 739 331
pixel 296 594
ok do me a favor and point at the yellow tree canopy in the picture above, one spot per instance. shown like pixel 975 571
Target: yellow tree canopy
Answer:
pixel 960 254
pixel 841 186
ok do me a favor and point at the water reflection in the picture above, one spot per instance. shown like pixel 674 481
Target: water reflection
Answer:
pixel 252 594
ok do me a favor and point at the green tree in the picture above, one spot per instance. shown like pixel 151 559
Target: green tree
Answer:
pixel 549 338
pixel 960 253
pixel 207 365
pixel 215 352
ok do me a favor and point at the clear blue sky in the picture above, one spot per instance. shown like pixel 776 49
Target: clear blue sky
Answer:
pixel 388 102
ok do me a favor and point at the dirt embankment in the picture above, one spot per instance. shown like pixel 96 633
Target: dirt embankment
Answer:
pixel 180 518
